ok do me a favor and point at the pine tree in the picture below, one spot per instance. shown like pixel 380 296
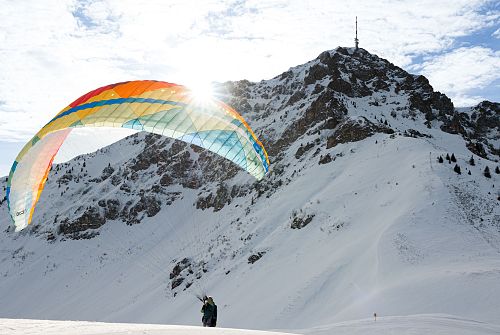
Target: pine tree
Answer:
pixel 457 169
pixel 487 173
pixel 471 161
pixel 440 159
pixel 469 173
pixel 497 170
pixel 453 159
pixel 448 157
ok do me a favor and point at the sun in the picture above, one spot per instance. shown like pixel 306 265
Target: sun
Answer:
pixel 202 91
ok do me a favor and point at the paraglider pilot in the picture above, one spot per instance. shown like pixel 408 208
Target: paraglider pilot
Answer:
pixel 209 310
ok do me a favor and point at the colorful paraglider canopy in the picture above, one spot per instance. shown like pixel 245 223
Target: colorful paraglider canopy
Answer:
pixel 153 106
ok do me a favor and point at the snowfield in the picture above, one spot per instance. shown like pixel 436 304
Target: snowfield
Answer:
pixel 389 235
pixel 411 325
pixel 47 327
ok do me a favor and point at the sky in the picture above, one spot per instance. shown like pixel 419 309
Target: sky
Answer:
pixel 54 51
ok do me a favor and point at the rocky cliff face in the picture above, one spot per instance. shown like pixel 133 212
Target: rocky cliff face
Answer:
pixel 323 95
pixel 480 127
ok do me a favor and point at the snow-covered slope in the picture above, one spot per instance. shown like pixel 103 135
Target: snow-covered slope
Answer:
pixel 412 324
pixel 48 327
pixel 356 217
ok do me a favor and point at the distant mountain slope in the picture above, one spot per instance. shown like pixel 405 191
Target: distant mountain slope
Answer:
pixel 357 215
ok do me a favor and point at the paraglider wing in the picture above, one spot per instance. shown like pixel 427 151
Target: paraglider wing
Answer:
pixel 153 106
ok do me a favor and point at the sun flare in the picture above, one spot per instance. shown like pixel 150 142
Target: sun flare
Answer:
pixel 201 91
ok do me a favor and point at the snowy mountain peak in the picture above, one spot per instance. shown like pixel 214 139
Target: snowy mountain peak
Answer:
pixel 378 200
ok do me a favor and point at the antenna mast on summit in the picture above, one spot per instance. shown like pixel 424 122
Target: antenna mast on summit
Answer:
pixel 356 41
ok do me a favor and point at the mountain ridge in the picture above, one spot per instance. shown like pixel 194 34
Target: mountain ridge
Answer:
pixel 354 143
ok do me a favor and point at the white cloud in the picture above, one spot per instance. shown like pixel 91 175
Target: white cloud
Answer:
pixel 95 16
pixel 461 71
pixel 496 33
pixel 55 50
